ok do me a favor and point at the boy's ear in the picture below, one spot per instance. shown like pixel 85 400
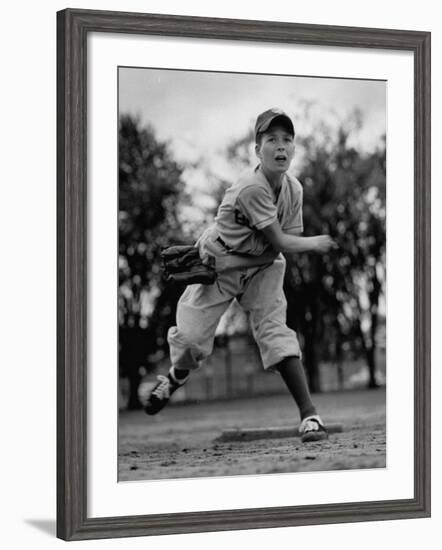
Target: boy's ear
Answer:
pixel 257 149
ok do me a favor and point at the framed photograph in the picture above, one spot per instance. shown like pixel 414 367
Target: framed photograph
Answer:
pixel 243 241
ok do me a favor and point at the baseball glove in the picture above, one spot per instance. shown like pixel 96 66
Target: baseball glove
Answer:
pixel 182 264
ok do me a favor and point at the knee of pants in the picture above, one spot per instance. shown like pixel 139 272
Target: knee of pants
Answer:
pixel 187 351
pixel 272 332
pixel 275 341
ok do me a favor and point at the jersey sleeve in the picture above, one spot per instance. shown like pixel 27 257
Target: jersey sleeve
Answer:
pixel 295 224
pixel 256 205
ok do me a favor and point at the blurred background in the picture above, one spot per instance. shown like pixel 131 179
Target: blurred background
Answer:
pixel 184 137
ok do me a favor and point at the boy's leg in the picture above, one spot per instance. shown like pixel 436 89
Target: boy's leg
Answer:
pixel 179 374
pixel 293 374
pixel 279 348
pixel 198 313
pixel 264 299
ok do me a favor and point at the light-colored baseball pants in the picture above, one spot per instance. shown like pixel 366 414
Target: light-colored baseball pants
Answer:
pixel 258 289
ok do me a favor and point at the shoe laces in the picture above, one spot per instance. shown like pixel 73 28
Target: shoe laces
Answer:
pixel 162 391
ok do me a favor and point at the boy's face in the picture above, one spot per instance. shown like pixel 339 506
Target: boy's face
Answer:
pixel 276 149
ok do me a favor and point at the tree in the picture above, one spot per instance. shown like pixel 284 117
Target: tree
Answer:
pixel 150 188
pixel 335 298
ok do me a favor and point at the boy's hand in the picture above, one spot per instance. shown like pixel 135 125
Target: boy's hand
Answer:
pixel 324 243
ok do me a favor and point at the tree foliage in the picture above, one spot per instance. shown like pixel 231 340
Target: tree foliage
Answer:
pixel 150 188
pixel 334 299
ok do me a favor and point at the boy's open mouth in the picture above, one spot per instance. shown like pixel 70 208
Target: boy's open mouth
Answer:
pixel 281 157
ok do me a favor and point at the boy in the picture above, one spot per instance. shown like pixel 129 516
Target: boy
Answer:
pixel 259 219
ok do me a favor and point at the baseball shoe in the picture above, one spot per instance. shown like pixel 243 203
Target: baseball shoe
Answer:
pixel 160 394
pixel 312 429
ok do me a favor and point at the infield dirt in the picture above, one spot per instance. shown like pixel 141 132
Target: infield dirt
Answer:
pixel 180 442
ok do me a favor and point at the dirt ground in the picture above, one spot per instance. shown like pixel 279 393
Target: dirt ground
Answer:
pixel 180 441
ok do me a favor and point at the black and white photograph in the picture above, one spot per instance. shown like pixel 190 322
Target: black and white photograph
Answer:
pixel 252 274
pixel 226 336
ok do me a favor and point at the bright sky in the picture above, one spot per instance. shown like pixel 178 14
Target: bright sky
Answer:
pixel 199 112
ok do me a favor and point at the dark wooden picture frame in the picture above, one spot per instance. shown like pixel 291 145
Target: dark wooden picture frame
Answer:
pixel 73 27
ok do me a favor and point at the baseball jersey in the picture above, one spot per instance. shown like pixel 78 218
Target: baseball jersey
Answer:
pixel 250 205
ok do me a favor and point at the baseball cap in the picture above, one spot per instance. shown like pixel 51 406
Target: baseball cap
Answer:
pixel 267 117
